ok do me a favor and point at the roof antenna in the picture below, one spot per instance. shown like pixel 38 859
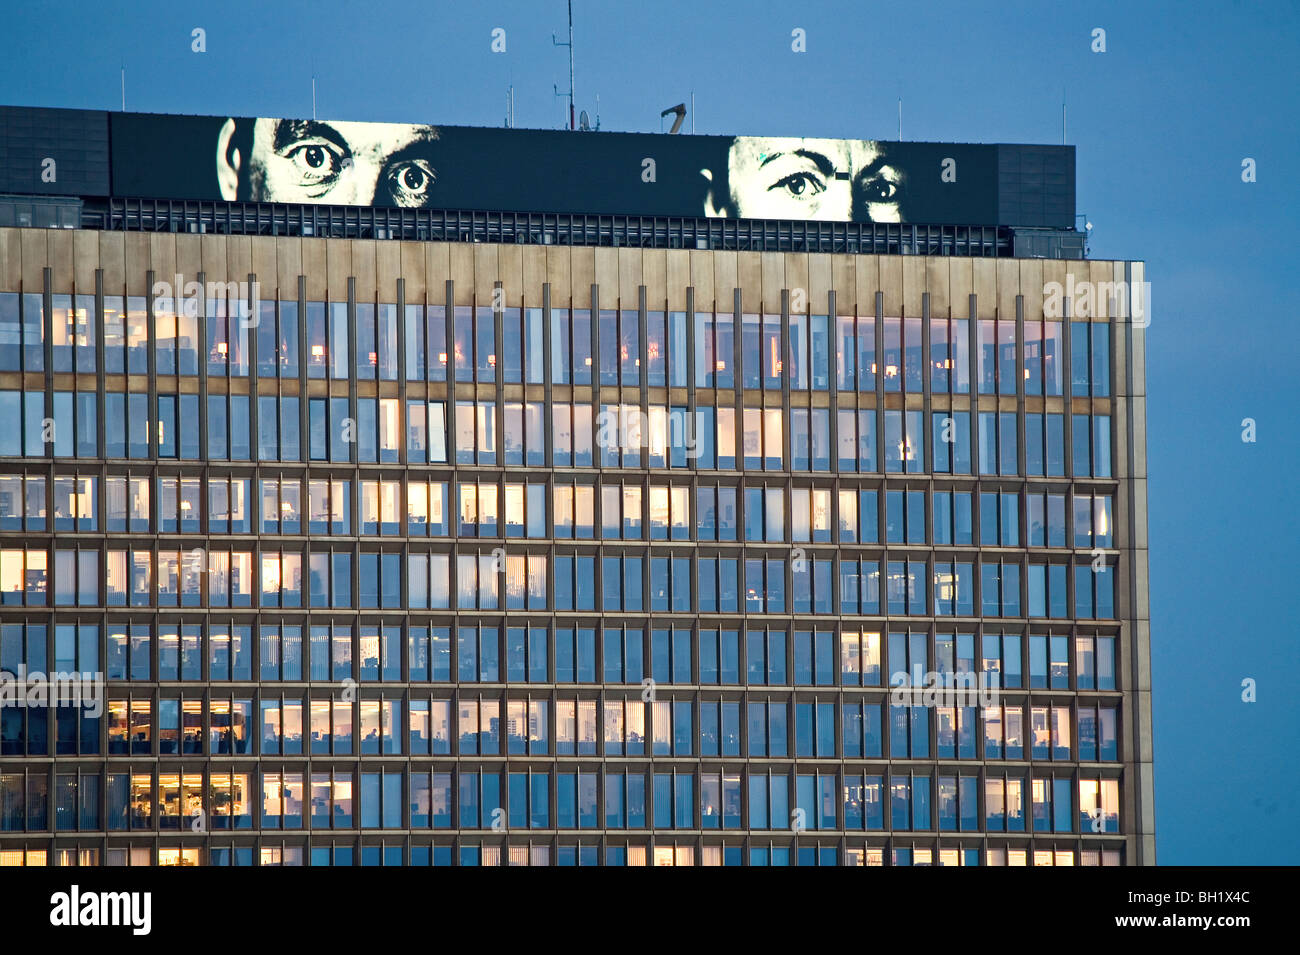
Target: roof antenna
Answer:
pixel 570 46
pixel 124 87
pixel 900 119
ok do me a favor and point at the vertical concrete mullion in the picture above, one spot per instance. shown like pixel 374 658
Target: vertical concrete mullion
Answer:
pixel 151 428
pixel 738 379
pixel 47 306
pixel 787 384
pixel 596 400
pixel 972 349
pixel 548 424
pixel 598 453
pixel 151 433
pixel 354 453
pixel 643 351
pixel 47 400
pixel 927 446
pixel 254 380
pixel 498 392
pixel 787 441
pixel 878 380
pixel 304 411
pixel 306 446
pixel 100 470
pixel 354 408
pixel 201 347
pixel 689 424
pixel 1022 504
pixel 99 379
pixel 643 346
pixel 234 321
pixel 403 452
pixel 1067 456
pixel 833 417
pixel 449 343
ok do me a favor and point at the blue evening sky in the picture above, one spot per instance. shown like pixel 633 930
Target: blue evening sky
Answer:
pixel 1162 121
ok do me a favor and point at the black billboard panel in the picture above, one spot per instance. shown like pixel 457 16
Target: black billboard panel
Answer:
pixel 53 152
pixel 596 173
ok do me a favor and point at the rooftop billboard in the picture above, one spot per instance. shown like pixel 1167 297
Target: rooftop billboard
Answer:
pixel 264 159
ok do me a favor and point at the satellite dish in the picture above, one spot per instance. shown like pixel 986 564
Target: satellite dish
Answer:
pixel 584 121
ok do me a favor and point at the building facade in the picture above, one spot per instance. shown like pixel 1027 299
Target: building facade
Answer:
pixel 379 551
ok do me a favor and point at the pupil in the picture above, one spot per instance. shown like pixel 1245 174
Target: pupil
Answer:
pixel 798 186
pixel 315 157
pixel 411 179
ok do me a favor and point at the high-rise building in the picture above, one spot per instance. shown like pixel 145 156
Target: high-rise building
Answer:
pixel 377 494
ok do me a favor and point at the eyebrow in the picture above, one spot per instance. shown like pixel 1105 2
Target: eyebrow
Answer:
pixel 824 165
pixel 872 168
pixel 417 149
pixel 289 131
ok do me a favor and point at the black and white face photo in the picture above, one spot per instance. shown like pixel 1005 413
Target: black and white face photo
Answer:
pixel 839 180
pixel 336 163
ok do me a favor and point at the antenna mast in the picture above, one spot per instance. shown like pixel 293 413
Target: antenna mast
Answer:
pixel 572 124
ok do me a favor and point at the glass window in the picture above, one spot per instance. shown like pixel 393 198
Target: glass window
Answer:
pixel 339 346
pixel 676 338
pixel 1100 360
pixel 1080 356
pixel 893 354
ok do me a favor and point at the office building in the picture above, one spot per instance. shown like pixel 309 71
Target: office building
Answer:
pixel 388 525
